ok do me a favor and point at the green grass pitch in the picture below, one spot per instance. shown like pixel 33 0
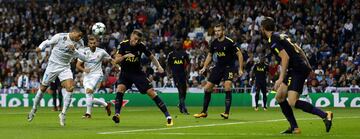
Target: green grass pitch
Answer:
pixel 149 122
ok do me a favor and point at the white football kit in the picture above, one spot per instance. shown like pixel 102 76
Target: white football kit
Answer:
pixel 94 64
pixel 60 57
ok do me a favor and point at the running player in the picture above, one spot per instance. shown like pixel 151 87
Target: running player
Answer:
pixel 93 74
pixel 128 55
pixel 295 68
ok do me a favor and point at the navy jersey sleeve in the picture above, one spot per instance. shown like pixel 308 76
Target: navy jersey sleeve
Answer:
pixel 234 48
pixel 121 48
pixel 145 50
pixel 276 45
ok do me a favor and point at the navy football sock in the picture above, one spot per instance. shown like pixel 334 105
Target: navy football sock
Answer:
pixel 228 98
pixel 161 105
pixel 207 98
pixel 118 102
pixel 288 113
pixel 307 107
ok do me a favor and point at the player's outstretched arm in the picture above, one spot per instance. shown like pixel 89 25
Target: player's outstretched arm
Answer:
pixel 119 57
pixel 156 63
pixel 78 53
pixel 206 63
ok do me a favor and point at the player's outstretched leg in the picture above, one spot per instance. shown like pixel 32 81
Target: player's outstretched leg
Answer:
pixel 38 97
pixel 152 94
pixel 307 107
pixel 118 103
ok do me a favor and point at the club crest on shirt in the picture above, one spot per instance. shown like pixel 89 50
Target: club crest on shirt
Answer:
pixel 64 38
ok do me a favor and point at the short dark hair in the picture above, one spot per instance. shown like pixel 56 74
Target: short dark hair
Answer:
pixel 219 25
pixel 77 29
pixel 268 24
pixel 92 37
pixel 138 32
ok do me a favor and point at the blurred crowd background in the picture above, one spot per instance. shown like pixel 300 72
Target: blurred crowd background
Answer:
pixel 327 30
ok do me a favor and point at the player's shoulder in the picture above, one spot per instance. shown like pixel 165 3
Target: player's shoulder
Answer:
pixel 142 44
pixel 124 42
pixel 101 50
pixel 277 36
pixel 229 39
pixel 61 34
pixel 171 53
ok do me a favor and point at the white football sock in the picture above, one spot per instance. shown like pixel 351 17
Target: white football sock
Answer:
pixel 38 97
pixel 99 102
pixel 67 101
pixel 89 101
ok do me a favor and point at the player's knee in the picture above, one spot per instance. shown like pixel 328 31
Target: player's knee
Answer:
pixel 151 93
pixel 208 88
pixel 121 88
pixel 292 102
pixel 280 98
pixel 69 89
pixel 89 91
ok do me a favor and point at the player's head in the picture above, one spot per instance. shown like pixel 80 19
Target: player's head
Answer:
pixel 267 25
pixel 178 45
pixel 76 34
pixel 135 37
pixel 219 30
pixel 92 42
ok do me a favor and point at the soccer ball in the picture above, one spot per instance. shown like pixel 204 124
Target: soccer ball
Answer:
pixel 98 28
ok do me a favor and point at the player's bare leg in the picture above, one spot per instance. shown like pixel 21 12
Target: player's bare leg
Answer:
pixel 228 98
pixel 294 101
pixel 120 91
pixel 207 97
pixel 286 109
pixel 38 97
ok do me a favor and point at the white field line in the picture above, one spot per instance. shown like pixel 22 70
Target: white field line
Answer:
pixel 234 134
pixel 212 125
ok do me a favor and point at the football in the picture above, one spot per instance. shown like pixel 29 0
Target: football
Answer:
pixel 98 28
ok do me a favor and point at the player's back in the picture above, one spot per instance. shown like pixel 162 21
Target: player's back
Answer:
pixel 60 54
pixel 297 61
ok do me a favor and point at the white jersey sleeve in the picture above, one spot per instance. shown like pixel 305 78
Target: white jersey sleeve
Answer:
pixel 51 41
pixel 106 55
